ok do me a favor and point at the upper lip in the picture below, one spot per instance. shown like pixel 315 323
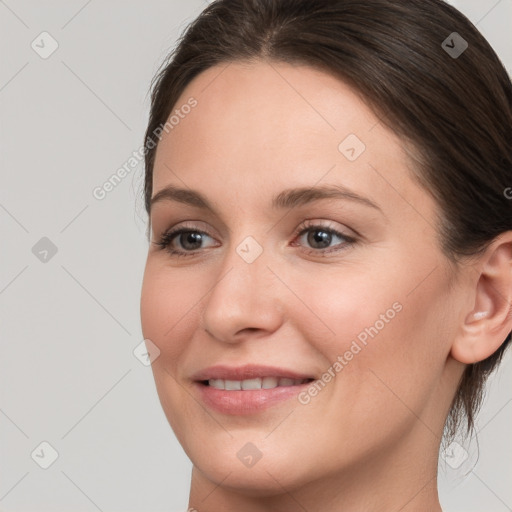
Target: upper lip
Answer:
pixel 249 371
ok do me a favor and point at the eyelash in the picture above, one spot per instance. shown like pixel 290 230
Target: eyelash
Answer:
pixel 167 237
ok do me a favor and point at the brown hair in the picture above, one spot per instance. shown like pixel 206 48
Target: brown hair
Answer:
pixel 456 110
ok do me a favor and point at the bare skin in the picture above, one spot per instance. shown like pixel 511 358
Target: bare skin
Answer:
pixel 369 439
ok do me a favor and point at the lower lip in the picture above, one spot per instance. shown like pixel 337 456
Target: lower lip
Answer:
pixel 249 401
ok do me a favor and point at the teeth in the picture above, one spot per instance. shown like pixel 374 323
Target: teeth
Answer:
pixel 269 382
pixel 232 385
pixel 258 383
pixel 251 384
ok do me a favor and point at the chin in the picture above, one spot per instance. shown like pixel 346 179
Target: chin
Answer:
pixel 265 479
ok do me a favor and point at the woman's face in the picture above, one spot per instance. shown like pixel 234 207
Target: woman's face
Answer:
pixel 317 259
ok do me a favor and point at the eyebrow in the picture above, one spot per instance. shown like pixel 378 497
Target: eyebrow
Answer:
pixel 286 199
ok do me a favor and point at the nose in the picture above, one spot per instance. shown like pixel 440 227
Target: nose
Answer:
pixel 245 299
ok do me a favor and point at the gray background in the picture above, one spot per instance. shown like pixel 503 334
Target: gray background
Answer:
pixel 69 324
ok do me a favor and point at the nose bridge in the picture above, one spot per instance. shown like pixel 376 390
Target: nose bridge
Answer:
pixel 242 296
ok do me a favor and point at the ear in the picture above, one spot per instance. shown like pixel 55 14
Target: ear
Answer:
pixel 489 322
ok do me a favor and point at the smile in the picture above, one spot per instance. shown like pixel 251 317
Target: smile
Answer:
pixel 256 383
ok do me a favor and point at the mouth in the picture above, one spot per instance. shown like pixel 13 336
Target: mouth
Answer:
pixel 254 383
pixel 249 389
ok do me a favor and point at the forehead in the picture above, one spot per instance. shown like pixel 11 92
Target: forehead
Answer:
pixel 268 123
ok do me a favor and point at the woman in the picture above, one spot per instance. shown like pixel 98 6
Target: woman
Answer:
pixel 328 282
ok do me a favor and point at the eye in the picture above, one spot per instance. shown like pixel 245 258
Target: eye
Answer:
pixel 189 239
pixel 320 237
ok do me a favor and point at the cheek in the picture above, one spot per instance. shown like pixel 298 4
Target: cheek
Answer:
pixel 377 333
pixel 385 336
pixel 347 307
pixel 169 300
pixel 168 318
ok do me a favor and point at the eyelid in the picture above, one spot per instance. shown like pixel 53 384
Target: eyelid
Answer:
pixel 350 240
pixel 167 238
pixel 193 225
pixel 327 224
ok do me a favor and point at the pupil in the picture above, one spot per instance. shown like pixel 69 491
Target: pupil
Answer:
pixel 193 238
pixel 324 238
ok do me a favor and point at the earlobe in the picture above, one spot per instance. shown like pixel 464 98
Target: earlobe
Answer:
pixel 489 322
